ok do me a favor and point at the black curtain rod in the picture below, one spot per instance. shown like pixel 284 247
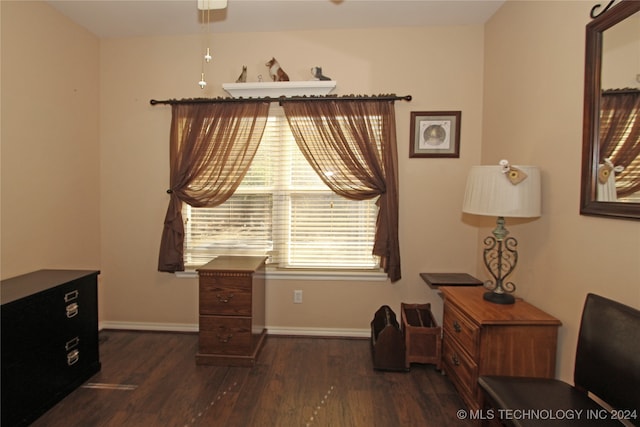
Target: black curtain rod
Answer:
pixel 624 91
pixel 283 98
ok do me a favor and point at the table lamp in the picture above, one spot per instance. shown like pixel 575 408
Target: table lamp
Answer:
pixel 502 191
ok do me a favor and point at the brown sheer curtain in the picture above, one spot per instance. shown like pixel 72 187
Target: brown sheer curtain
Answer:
pixel 619 116
pixel 351 144
pixel 211 148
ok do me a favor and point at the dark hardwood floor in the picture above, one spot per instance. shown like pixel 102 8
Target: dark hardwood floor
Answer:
pixel 150 379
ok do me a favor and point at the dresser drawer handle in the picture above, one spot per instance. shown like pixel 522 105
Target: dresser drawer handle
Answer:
pixel 455 360
pixel 224 300
pixel 73 357
pixel 72 343
pixel 72 310
pixel 456 326
pixel 70 296
pixel 225 339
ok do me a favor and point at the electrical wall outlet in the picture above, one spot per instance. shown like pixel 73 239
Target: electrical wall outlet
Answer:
pixel 297 296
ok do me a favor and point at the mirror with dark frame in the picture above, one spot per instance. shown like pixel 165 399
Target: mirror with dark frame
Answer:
pixel 611 127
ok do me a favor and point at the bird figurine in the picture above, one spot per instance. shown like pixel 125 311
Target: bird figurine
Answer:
pixel 242 78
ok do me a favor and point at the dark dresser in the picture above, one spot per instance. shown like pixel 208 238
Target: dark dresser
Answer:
pixel 49 340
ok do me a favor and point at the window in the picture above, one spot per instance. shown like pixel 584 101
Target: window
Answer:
pixel 619 132
pixel 632 174
pixel 283 209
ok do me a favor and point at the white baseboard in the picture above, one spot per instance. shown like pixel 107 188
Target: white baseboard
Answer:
pixel 185 327
pixel 158 327
pixel 319 332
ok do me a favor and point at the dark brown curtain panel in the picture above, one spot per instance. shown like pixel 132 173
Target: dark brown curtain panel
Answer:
pixel 351 144
pixel 211 148
pixel 620 137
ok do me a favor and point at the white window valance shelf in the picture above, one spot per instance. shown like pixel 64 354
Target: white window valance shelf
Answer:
pixel 278 89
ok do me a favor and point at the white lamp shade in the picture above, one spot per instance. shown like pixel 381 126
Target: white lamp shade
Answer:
pixel 490 192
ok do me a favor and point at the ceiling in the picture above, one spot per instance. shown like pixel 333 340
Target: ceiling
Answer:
pixel 140 18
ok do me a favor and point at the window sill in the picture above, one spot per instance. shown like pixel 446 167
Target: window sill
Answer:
pixel 329 275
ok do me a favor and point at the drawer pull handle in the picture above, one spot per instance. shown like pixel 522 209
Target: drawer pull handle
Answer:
pixel 455 360
pixel 456 326
pixel 72 310
pixel 225 339
pixel 224 300
pixel 72 343
pixel 70 296
pixel 73 357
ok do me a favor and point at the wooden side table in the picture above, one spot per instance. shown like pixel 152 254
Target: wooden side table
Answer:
pixel 232 310
pixel 483 338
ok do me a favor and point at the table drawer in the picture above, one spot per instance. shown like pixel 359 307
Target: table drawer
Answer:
pixel 225 335
pixel 460 328
pixel 221 296
pixel 462 370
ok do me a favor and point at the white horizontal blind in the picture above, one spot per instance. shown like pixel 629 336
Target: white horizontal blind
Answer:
pixel 283 209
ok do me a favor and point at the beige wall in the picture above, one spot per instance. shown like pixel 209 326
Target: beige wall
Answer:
pixel 445 74
pixel 50 151
pixel 621 54
pixel 520 92
pixel 533 115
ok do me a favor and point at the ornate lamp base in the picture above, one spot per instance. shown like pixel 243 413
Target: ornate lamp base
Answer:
pixel 500 258
pixel 499 298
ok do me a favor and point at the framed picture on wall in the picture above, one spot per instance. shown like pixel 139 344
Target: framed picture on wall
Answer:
pixel 435 134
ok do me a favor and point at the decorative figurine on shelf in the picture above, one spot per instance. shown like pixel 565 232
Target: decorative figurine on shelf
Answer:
pixel 276 72
pixel 317 73
pixel 242 78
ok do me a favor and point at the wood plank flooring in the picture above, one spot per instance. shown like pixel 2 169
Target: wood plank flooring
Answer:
pixel 150 379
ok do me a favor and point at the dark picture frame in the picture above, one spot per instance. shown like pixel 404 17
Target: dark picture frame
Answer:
pixel 435 134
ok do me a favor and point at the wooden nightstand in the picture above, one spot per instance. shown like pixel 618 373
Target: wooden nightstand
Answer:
pixel 232 310
pixel 483 338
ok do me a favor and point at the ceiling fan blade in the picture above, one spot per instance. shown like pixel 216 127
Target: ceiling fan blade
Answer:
pixel 211 4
